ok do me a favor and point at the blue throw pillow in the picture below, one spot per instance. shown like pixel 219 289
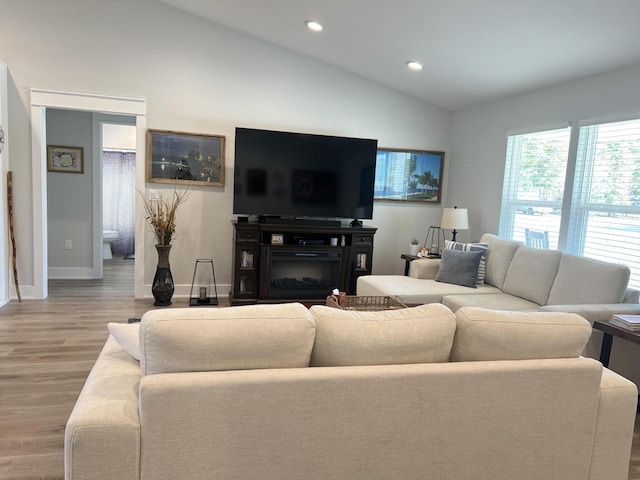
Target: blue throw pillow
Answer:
pixel 459 267
pixel 472 247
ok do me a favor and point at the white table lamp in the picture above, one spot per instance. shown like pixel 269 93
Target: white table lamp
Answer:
pixel 455 219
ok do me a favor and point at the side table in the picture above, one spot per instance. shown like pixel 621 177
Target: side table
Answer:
pixel 408 258
pixel 609 331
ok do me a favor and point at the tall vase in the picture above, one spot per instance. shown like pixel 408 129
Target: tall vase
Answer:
pixel 162 287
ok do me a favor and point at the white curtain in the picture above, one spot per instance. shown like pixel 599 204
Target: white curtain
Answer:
pixel 118 191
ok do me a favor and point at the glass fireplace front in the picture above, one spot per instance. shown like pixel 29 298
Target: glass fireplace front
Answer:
pixel 303 274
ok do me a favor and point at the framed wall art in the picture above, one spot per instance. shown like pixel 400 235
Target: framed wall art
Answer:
pixel 65 159
pixel 409 175
pixel 185 158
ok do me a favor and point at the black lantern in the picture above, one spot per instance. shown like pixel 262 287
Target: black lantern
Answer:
pixel 203 284
pixel 434 241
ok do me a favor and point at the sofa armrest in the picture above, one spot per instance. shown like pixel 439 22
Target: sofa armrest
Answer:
pixel 631 296
pixel 424 268
pixel 598 311
pixel 614 428
pixel 102 435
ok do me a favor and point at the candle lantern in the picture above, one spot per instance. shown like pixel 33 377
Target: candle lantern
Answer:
pixel 434 242
pixel 203 292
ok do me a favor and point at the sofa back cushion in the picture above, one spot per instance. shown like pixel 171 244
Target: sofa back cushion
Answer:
pixel 584 280
pixel 229 338
pixel 500 335
pixel 531 274
pixel 421 334
pixel 498 258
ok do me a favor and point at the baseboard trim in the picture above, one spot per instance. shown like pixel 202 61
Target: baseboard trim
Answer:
pixel 72 273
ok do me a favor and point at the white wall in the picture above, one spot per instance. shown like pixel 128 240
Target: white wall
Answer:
pixel 199 77
pixel 118 137
pixel 70 198
pixel 479 135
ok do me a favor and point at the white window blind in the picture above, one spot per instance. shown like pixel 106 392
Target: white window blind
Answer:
pixel 533 188
pixel 604 220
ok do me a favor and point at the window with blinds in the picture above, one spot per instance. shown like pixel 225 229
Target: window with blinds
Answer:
pixel 604 220
pixel 601 214
pixel 533 189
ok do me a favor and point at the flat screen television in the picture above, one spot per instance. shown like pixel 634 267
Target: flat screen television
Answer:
pixel 298 175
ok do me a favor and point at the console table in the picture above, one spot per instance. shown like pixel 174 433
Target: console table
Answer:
pixel 297 262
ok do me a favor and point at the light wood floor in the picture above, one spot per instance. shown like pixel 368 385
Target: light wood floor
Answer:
pixel 47 348
pixel 46 351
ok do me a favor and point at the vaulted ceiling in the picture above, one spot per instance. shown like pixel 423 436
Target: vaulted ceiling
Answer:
pixel 472 51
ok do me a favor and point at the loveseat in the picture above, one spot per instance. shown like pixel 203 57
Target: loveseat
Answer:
pixel 284 392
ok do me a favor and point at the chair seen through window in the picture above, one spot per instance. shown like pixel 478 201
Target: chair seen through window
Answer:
pixel 537 239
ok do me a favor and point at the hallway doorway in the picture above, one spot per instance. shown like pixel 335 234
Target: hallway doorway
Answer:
pixel 41 101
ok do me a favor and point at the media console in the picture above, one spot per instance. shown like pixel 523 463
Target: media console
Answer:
pixel 284 262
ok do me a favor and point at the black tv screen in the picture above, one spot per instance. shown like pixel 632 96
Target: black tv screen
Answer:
pixel 288 174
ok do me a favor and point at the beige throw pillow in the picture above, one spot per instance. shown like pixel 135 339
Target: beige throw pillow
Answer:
pixel 484 334
pixel 421 334
pixel 228 338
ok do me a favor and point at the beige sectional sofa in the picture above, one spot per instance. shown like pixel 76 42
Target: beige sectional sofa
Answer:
pixel 517 278
pixel 284 392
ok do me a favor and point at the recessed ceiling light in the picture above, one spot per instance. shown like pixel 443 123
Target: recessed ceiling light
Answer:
pixel 413 65
pixel 313 25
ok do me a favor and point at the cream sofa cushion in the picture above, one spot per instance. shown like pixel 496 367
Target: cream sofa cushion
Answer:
pixel 230 338
pixel 584 280
pixel 494 301
pixel 421 334
pixel 531 274
pixel 498 258
pixel 414 291
pixel 484 334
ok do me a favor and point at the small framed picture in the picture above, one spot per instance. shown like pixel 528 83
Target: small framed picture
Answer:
pixel 64 159
pixel 277 239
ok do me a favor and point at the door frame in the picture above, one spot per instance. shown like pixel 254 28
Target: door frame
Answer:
pixel 5 251
pixel 42 99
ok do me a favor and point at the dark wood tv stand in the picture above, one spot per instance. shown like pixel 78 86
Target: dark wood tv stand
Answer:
pixel 274 263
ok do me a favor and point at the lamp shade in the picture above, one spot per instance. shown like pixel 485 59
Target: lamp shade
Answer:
pixel 455 219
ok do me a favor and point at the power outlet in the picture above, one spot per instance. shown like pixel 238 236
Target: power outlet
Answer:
pixel 68 245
